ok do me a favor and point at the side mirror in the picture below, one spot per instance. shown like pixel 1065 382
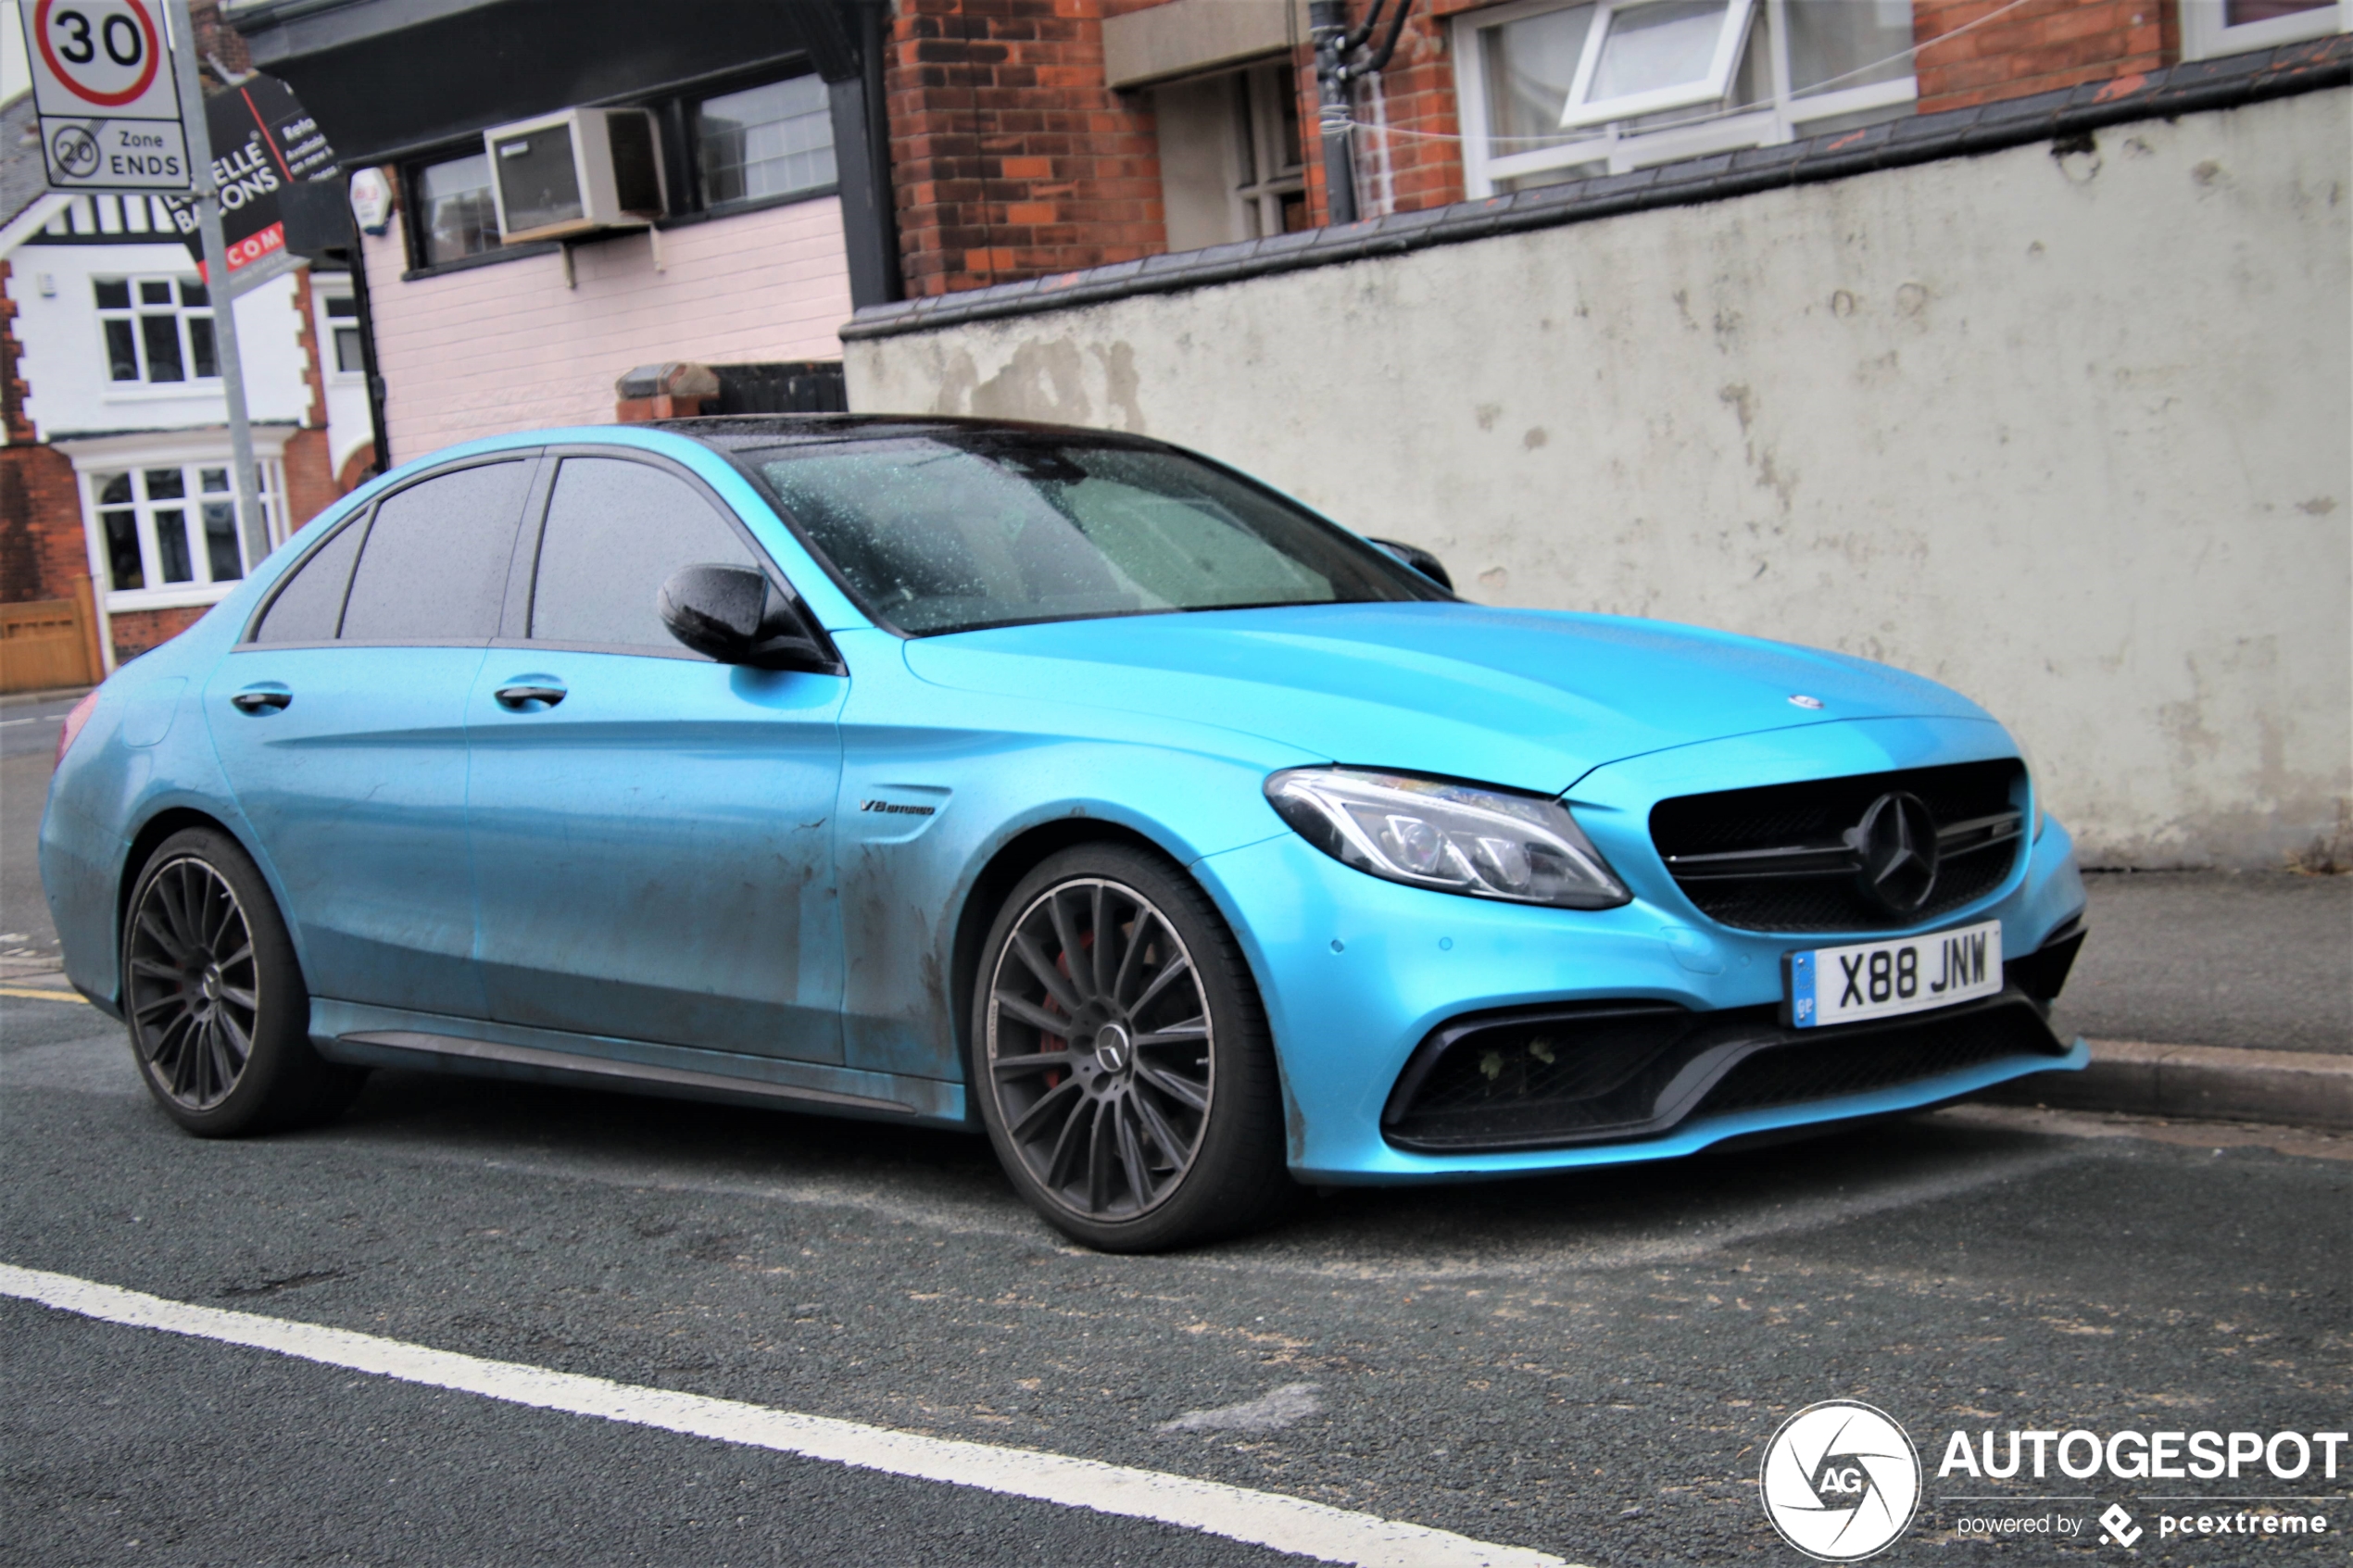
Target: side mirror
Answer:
pixel 735 615
pixel 1421 561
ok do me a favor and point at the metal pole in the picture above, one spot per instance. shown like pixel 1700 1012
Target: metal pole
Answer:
pixel 250 521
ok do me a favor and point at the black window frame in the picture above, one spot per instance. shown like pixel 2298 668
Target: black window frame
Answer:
pixel 514 621
pixel 364 518
pixel 410 170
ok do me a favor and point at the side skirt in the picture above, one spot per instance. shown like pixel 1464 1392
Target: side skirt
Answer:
pixel 373 1036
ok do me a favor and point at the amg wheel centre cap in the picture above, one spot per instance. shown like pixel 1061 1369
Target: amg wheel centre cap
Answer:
pixel 1897 842
pixel 211 985
pixel 1111 1048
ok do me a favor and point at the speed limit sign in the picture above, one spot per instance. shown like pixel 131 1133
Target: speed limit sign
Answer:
pixel 107 96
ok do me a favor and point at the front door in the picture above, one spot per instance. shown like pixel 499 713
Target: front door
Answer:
pixel 341 726
pixel 651 831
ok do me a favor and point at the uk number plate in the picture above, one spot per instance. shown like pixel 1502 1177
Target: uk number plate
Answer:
pixel 1881 979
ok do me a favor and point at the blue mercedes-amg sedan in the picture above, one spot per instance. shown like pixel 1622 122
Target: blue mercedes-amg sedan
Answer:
pixel 1055 783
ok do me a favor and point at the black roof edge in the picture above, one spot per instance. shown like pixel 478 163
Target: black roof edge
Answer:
pixel 2192 87
pixel 729 431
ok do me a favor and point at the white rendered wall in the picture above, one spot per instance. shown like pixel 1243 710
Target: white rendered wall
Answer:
pixel 64 357
pixel 510 347
pixel 2070 436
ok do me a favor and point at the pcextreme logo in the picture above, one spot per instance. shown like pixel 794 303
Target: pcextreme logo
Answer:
pixel 1841 1481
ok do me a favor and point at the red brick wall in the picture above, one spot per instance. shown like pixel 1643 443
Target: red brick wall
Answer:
pixel 42 545
pixel 311 485
pixel 1010 158
pixel 2042 45
pixel 137 631
pixel 41 549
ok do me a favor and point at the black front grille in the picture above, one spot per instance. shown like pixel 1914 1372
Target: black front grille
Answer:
pixel 1611 1074
pixel 1877 1059
pixel 1779 858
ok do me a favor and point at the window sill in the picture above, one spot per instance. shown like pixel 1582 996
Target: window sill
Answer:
pixel 160 392
pixel 482 258
pixel 756 204
pixel 178 596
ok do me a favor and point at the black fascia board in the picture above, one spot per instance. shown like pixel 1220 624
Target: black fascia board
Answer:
pixel 389 78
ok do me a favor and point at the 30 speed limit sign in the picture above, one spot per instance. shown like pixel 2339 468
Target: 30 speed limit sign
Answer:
pixel 107 98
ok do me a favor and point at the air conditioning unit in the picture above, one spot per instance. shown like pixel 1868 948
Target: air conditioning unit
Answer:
pixel 576 171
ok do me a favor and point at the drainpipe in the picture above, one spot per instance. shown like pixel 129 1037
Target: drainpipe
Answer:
pixel 1327 27
pixel 1335 41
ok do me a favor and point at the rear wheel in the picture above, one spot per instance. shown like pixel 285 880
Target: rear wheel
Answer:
pixel 1124 1070
pixel 219 1019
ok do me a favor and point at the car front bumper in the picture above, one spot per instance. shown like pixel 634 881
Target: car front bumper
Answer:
pixel 1356 973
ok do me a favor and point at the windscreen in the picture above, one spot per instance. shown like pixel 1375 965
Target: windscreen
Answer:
pixel 949 532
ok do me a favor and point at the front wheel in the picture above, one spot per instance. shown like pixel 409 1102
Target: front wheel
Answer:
pixel 219 1019
pixel 1122 1061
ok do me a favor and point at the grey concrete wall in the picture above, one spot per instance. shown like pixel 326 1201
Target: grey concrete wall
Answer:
pixel 2068 433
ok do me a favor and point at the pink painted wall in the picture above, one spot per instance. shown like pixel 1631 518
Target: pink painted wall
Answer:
pixel 508 347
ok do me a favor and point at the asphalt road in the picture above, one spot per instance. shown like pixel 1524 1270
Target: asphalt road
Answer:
pixel 1589 1365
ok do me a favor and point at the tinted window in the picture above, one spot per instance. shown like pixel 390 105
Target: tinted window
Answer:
pixel 435 567
pixel 307 609
pixel 616 531
pixel 947 533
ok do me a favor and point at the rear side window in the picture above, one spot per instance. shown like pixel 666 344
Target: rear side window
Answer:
pixel 435 567
pixel 616 530
pixel 309 607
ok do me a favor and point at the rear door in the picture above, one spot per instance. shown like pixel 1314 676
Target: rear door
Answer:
pixel 651 831
pixel 341 725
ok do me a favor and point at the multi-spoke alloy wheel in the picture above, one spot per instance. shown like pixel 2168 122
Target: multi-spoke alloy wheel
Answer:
pixel 191 1000
pixel 1100 1045
pixel 220 1021
pixel 1127 1082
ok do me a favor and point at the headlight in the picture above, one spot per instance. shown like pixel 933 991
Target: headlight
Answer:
pixel 1455 837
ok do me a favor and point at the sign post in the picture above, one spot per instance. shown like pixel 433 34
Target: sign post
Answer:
pixel 250 521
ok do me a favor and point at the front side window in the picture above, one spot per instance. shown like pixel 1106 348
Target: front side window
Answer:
pixel 156 329
pixel 433 569
pixel 1554 93
pixel 952 532
pixel 172 528
pixel 616 530
pixel 451 214
pixel 768 141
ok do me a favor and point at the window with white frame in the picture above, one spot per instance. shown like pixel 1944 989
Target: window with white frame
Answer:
pixel 342 330
pixel 1553 92
pixel 158 329
pixel 2211 28
pixel 170 531
pixel 1231 166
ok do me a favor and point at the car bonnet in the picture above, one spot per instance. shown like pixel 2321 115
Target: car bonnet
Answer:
pixel 1530 700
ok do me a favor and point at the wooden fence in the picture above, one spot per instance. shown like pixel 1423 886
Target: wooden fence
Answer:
pixel 46 643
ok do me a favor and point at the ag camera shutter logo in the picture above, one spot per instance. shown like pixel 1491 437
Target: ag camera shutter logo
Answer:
pixel 1841 1481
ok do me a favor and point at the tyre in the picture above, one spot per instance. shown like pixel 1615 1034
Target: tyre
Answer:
pixel 219 1019
pixel 1122 1059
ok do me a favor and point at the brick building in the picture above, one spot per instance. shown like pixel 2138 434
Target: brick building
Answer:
pixel 116 530
pixel 1037 137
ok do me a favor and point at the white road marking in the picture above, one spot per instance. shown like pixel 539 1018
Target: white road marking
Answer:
pixel 1291 1524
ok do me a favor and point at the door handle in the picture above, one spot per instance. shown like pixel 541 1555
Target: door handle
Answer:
pixel 260 699
pixel 518 698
